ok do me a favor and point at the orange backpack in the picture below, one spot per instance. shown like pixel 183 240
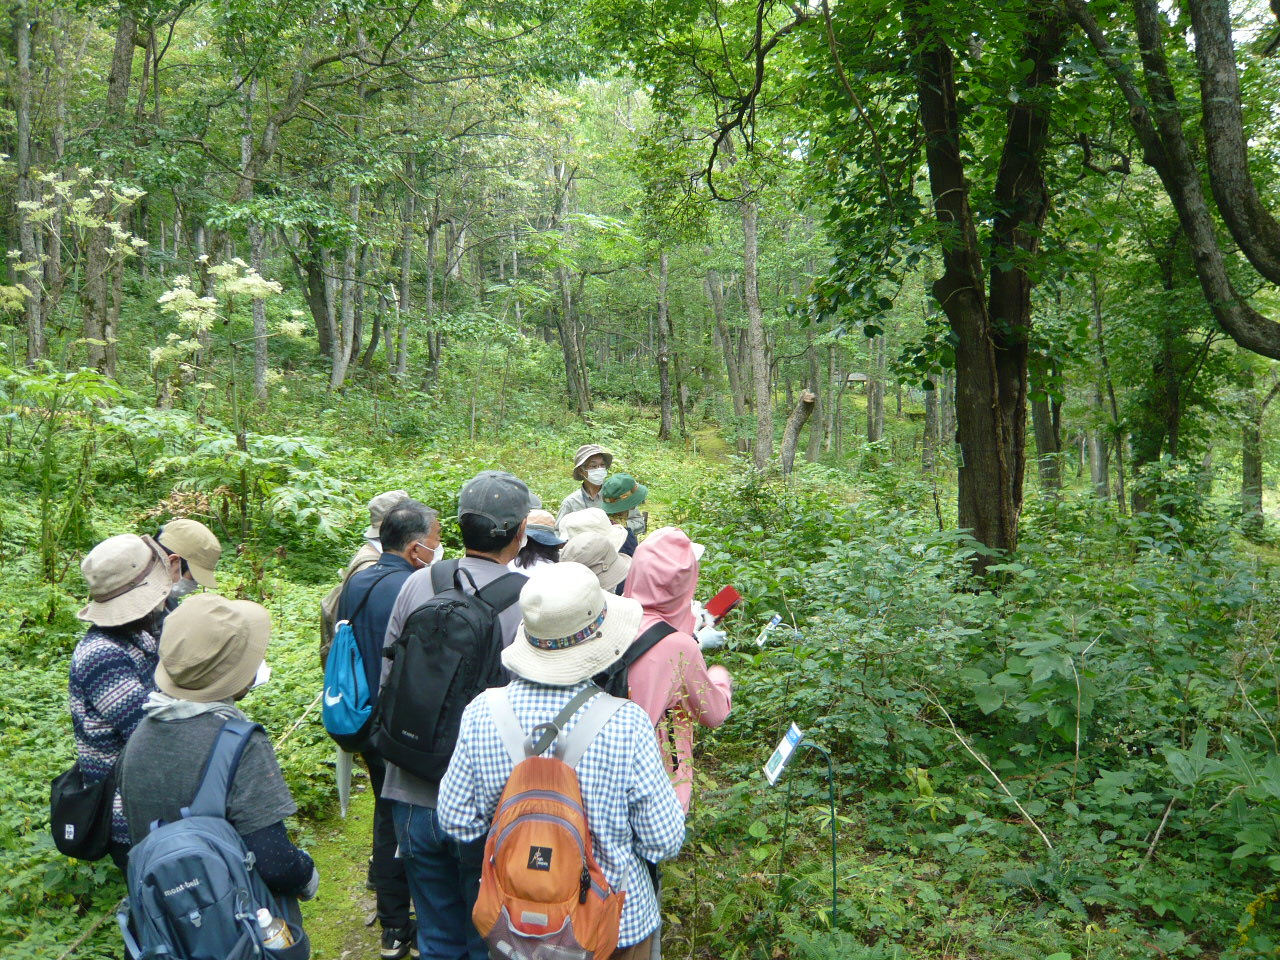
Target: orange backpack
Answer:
pixel 542 894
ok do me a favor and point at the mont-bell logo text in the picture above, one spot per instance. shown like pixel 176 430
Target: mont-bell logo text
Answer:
pixel 184 885
pixel 539 858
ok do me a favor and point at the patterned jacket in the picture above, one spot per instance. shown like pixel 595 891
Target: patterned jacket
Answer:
pixel 112 672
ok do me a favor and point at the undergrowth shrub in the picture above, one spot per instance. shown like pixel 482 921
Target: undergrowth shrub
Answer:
pixel 1119 687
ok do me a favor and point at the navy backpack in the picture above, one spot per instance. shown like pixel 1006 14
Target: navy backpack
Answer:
pixel 193 891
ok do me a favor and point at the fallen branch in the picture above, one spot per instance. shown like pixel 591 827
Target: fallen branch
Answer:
pixel 987 767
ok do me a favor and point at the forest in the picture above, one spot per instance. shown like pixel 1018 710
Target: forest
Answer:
pixel 950 330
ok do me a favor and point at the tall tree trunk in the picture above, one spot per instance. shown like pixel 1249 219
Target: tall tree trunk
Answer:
pixel 403 310
pixel 817 422
pixel 257 260
pixel 715 293
pixel 795 423
pixel 1099 450
pixel 96 303
pixel 875 390
pixel 433 344
pixel 932 432
pixel 990 334
pixel 664 358
pixel 1045 425
pixel 30 276
pixel 53 273
pixel 1252 521
pixel 763 452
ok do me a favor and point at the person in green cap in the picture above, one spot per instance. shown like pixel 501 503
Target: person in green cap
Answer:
pixel 621 496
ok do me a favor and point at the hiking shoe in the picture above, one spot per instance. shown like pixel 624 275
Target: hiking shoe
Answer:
pixel 397 943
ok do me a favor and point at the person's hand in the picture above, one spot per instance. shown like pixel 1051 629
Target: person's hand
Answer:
pixel 709 638
pixel 700 616
pixel 720 675
pixel 313 885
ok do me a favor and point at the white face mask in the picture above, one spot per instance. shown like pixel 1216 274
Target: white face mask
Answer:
pixel 438 554
pixel 597 476
pixel 524 540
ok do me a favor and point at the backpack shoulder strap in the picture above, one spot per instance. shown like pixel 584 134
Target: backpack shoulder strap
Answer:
pixel 367 594
pixel 442 575
pixel 224 757
pixel 504 591
pixel 508 724
pixel 599 712
pixel 646 642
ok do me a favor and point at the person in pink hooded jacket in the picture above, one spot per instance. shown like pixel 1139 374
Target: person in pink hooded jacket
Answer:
pixel 671 681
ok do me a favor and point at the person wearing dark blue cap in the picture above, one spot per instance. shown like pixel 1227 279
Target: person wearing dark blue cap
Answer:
pixel 543 544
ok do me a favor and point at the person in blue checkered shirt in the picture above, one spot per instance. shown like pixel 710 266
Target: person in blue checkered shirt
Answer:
pixel 571 631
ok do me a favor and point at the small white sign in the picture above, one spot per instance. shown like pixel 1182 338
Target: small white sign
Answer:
pixel 782 754
pixel 768 628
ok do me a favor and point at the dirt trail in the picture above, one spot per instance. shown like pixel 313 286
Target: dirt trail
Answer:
pixel 336 919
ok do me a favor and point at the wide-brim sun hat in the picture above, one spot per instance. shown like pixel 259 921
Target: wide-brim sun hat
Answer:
pixel 211 648
pixel 585 453
pixel 594 551
pixel 592 520
pixel 571 629
pixel 621 493
pixel 128 577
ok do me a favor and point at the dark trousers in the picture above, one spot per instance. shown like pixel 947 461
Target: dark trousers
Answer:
pixel 387 872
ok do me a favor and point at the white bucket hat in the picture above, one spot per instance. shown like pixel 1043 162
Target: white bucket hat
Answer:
pixel 128 577
pixel 592 520
pixel 572 629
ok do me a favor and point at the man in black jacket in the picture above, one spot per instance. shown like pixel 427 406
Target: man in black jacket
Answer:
pixel 410 536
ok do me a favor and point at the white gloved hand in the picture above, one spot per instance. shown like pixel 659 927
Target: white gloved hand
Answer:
pixel 701 618
pixel 313 885
pixel 709 638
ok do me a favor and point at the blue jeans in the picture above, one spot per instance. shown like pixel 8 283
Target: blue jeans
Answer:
pixel 444 880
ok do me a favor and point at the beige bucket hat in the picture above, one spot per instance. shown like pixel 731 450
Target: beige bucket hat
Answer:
pixel 379 507
pixel 585 453
pixel 211 648
pixel 592 520
pixel 596 552
pixel 128 577
pixel 196 544
pixel 572 629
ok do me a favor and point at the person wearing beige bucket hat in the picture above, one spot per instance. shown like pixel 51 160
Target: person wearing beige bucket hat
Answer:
pixel 113 665
pixel 571 631
pixel 194 553
pixel 591 465
pixel 211 655
pixel 365 557
pixel 596 551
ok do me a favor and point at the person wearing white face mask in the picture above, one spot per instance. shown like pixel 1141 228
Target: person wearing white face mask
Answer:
pixel 591 468
pixel 410 535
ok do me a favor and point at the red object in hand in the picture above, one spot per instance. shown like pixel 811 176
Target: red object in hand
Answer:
pixel 723 602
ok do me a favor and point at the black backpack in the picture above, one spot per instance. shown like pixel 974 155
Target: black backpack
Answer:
pixel 448 652
pixel 613 680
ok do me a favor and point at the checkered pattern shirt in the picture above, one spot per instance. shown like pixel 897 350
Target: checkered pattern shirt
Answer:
pixel 631 808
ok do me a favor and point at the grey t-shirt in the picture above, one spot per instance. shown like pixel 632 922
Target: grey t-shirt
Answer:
pixel 416 591
pixel 160 770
